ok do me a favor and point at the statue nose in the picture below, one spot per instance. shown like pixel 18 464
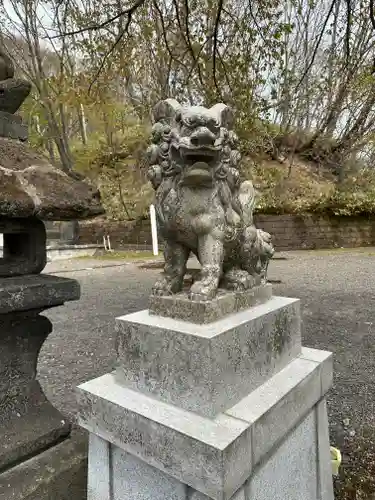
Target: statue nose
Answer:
pixel 202 137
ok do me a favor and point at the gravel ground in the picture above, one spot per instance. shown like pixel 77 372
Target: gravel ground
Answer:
pixel 337 294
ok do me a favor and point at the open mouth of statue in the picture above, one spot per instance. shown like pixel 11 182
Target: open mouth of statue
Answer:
pixel 199 163
pixel 202 155
pixel 198 172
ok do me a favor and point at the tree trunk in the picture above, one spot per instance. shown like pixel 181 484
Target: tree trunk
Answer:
pixel 37 124
pixel 64 129
pixel 330 123
pixel 354 134
pixel 82 123
pixel 50 148
pixel 56 133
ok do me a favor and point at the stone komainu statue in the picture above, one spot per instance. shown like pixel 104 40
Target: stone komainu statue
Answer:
pixel 201 205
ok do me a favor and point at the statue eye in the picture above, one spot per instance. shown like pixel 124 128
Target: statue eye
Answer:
pixel 214 126
pixel 186 130
pixel 190 122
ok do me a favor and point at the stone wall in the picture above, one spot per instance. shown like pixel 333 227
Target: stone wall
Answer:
pixel 290 232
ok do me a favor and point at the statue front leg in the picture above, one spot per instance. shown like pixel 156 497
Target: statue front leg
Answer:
pixel 211 255
pixel 176 257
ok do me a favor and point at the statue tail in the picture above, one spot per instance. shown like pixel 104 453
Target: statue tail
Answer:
pixel 247 199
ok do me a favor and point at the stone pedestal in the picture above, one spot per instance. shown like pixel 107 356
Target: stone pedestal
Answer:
pixel 29 424
pixel 232 409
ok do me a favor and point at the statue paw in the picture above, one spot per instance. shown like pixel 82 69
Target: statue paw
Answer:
pixel 167 286
pixel 159 290
pixel 200 291
pixel 238 280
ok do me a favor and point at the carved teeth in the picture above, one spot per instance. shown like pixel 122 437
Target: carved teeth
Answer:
pixel 199 152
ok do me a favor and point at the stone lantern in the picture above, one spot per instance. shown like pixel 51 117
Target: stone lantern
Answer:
pixel 31 190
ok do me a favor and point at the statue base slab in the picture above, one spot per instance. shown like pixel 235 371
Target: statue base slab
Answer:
pixel 207 368
pixel 180 306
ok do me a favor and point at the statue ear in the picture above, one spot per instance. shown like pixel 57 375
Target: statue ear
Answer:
pixel 167 111
pixel 223 114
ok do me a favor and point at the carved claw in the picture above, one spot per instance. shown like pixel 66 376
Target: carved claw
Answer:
pixel 200 291
pixel 238 280
pixel 196 297
pixel 160 291
pixel 166 286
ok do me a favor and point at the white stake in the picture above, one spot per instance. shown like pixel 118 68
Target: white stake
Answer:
pixel 105 243
pixel 154 231
pixel 109 243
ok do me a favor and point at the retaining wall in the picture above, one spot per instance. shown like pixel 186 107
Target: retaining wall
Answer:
pixel 290 232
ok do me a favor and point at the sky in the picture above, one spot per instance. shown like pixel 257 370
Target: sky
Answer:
pixel 7 7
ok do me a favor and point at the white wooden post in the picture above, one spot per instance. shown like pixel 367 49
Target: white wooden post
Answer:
pixel 109 243
pixel 154 231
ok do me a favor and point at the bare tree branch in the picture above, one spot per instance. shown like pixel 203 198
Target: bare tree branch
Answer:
pixel 126 12
pixel 197 58
pixel 260 31
pixel 372 13
pixel 348 28
pixel 164 34
pixel 214 51
pixel 129 13
pixel 320 37
pixel 188 41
